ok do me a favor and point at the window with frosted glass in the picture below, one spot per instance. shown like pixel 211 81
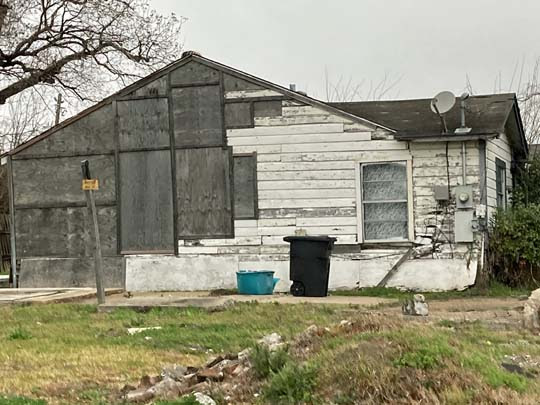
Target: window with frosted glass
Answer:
pixel 384 200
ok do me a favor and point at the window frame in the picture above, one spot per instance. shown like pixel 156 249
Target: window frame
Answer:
pixel 500 168
pixel 253 155
pixel 407 159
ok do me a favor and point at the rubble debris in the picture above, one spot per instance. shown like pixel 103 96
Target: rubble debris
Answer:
pixel 531 311
pixel 133 331
pixel 524 365
pixel 273 342
pixel 416 306
pixel 204 399
pixel 174 371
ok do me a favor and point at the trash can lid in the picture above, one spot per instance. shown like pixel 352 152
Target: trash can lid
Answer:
pixel 318 238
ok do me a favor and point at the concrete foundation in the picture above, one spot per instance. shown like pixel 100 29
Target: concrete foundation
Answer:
pixel 207 272
pixel 70 272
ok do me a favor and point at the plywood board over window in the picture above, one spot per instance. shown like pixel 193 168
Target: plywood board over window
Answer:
pixel 203 192
pixel 143 123
pixel 146 202
pixel 245 186
pixel 198 116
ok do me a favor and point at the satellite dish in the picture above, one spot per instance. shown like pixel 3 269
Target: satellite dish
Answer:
pixel 443 102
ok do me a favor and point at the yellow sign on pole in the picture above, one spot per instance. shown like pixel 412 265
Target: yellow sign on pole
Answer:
pixel 90 184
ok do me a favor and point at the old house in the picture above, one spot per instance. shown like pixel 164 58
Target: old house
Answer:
pixel 204 169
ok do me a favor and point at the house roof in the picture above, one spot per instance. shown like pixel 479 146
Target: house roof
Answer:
pixel 187 57
pixel 484 114
pixel 487 116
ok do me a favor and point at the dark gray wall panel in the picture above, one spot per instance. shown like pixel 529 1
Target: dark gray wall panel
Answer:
pixel 70 272
pixel 204 193
pixel 198 118
pixel 245 187
pixel 156 87
pixel 194 72
pixel 267 108
pixel 238 115
pixel 146 201
pixel 58 180
pixel 232 83
pixel 66 232
pixel 92 133
pixel 143 123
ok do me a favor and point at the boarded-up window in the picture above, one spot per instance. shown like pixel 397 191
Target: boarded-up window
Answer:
pixel 245 186
pixel 146 201
pixel 203 192
pixel 500 183
pixel 267 108
pixel 384 201
pixel 143 123
pixel 238 115
pixel 198 118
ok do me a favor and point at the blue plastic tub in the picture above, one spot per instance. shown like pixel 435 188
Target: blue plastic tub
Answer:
pixel 256 282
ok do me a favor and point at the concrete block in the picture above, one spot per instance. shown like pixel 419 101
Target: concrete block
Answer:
pixel 185 273
pixel 70 272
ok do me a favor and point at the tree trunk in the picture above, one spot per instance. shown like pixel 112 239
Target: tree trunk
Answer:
pixel 3 12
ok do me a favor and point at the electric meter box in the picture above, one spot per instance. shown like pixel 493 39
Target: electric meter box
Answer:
pixel 464 197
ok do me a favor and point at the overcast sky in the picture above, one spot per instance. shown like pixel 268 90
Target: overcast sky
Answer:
pixel 428 45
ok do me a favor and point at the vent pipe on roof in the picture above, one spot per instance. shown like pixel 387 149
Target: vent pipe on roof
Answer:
pixel 463 129
pixel 292 87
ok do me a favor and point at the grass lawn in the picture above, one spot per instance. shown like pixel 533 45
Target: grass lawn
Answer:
pixel 494 290
pixel 69 354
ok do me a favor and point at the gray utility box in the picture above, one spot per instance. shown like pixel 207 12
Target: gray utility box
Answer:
pixel 464 223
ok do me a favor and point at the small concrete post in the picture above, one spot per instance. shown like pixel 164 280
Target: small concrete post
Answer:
pixel 91 204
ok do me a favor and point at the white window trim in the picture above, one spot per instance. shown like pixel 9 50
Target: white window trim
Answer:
pixel 396 157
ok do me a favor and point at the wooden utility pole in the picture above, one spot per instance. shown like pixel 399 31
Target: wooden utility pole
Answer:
pixel 58 108
pixel 89 185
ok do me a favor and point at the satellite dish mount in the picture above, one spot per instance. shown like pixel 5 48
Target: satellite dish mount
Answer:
pixel 441 104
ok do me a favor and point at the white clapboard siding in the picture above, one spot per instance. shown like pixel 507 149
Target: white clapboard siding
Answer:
pixel 342 146
pixel 245 223
pixel 471 160
pixel 294 111
pixel 290 130
pixel 298 120
pixel 197 249
pixel 298 166
pixel 313 230
pixel 251 93
pixel 268 157
pixel 438 171
pixel 341 239
pixel 262 149
pixel 298 203
pixel 325 221
pixel 304 184
pixel 331 230
pixel 501 149
pixel 350 155
pixel 430 181
pixel 310 193
pixel 276 222
pixel 299 139
pixel 238 241
pixel 239 231
pixel 307 175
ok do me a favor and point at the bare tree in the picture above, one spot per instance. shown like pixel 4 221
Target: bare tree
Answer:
pixel 526 85
pixel 24 116
pixel 3 12
pixel 70 43
pixel 348 90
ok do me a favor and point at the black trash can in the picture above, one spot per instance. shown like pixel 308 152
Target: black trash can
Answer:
pixel 310 264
